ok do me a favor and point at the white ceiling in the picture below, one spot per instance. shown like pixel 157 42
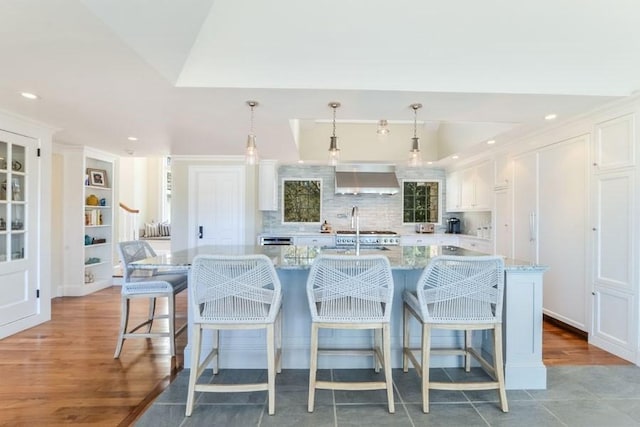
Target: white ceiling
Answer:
pixel 177 73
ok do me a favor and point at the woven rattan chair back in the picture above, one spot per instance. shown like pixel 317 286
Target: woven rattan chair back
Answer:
pixel 350 288
pixel 456 289
pixel 134 250
pixel 234 289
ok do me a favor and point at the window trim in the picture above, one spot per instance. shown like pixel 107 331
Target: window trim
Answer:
pixel 282 185
pixel 440 193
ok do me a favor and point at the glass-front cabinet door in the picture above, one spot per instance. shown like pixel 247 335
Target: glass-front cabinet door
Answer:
pixel 18 283
pixel 13 171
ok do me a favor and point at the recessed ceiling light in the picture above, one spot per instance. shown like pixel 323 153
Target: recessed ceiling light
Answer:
pixel 455 157
pixel 491 141
pixel 429 163
pixel 550 116
pixel 132 138
pixel 301 161
pixel 29 95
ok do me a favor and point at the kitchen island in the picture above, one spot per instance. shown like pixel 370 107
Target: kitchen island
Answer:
pixel 245 349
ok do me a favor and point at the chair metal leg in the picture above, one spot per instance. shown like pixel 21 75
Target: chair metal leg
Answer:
pixel 171 303
pixel 152 312
pixel 313 366
pixel 195 362
pixel 124 322
pixel 405 338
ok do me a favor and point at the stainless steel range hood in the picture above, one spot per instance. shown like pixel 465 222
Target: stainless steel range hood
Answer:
pixel 366 178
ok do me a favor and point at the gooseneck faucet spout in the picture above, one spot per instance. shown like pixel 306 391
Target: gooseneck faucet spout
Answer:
pixel 355 223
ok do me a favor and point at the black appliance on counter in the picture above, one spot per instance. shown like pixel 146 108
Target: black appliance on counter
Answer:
pixel 453 226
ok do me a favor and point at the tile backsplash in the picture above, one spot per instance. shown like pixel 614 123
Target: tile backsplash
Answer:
pixel 377 212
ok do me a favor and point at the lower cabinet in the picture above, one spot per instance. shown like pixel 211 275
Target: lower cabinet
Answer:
pixel 474 244
pixel 428 239
pixel 315 240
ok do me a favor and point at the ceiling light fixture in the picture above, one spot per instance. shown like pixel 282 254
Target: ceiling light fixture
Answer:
pixel 132 138
pixel 491 141
pixel 415 158
pixel 550 116
pixel 251 155
pixel 29 95
pixel 334 152
pixel 383 127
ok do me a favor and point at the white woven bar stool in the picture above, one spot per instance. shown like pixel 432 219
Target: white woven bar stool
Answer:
pixel 457 293
pixel 149 284
pixel 234 292
pixel 351 292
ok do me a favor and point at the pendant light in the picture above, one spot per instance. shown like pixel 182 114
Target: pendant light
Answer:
pixel 251 155
pixel 415 158
pixel 334 152
pixel 383 128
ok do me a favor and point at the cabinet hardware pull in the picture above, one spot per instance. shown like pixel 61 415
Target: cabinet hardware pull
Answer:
pixel 200 232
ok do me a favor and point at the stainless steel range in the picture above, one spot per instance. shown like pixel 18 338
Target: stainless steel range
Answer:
pixel 367 238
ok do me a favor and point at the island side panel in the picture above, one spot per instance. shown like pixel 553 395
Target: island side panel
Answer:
pixel 522 338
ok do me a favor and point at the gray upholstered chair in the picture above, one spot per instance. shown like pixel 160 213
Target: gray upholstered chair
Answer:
pixel 231 293
pixel 351 292
pixel 148 284
pixel 457 293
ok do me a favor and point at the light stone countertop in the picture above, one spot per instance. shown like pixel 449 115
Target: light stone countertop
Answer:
pixel 301 257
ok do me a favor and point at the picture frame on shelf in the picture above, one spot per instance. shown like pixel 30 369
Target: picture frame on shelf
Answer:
pixel 97 177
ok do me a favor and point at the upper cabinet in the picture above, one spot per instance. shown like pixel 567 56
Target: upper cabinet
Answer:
pixel 503 172
pixel 614 143
pixel 470 189
pixel 268 185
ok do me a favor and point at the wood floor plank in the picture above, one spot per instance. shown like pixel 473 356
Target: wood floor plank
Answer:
pixel 63 372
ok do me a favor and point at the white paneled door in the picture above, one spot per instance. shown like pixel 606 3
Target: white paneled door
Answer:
pixel 19 171
pixel 216 205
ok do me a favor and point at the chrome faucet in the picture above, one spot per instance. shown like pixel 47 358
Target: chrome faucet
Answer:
pixel 355 223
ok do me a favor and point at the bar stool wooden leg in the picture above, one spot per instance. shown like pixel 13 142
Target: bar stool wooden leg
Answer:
pixel 271 368
pixel 386 342
pixel 195 368
pixel 124 324
pixel 406 344
pixel 499 367
pixel 313 366
pixel 426 349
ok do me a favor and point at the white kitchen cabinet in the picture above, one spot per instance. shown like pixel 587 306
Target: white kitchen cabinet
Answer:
pixel 525 207
pixel 503 223
pixel 315 240
pixel 470 189
pixel 503 170
pixel 454 182
pixel 268 185
pixel 614 145
pixel 614 271
pixel 474 244
pixel 562 230
pixel 88 221
pixel 429 239
pixel 549 224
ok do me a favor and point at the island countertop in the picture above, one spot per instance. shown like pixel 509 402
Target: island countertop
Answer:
pixel 301 257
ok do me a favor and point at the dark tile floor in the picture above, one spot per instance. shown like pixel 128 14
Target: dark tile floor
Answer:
pixel 575 396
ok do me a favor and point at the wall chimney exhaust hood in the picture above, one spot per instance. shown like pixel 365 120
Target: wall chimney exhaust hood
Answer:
pixel 366 178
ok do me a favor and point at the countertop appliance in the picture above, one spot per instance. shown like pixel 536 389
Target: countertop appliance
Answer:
pixel 453 226
pixel 425 228
pixel 367 238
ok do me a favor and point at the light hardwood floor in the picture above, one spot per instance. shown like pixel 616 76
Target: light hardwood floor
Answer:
pixel 63 372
